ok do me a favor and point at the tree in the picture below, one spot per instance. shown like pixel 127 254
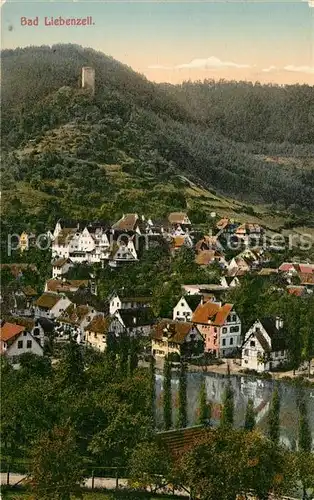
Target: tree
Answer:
pixel 70 371
pixel 225 463
pixel 274 417
pixel 182 413
pixel 304 456
pixel 56 468
pixel 149 465
pixel 227 415
pixel 249 423
pixel 204 407
pixel 153 388
pixel 167 396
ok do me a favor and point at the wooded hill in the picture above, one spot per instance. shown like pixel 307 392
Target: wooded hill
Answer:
pixel 136 145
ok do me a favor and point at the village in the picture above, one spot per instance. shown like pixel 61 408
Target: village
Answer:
pixel 203 327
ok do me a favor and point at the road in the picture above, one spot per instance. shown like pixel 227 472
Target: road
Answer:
pixel 99 482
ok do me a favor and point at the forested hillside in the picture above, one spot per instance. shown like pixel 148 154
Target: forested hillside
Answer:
pixel 132 146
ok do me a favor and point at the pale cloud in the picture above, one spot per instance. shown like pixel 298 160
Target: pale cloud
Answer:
pixel 269 69
pixel 300 69
pixel 211 63
pixel 159 66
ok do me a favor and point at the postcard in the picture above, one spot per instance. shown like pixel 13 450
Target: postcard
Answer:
pixel 157 249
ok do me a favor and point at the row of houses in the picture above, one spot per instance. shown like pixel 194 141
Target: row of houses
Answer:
pixel 200 324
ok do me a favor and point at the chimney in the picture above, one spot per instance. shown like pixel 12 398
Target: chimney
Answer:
pixel 279 323
pixel 202 299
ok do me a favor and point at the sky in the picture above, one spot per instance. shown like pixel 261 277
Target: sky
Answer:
pixel 176 41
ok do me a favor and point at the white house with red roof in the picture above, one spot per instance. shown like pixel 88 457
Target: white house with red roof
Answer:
pixel 16 340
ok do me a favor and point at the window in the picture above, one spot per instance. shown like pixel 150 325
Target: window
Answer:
pixel 282 353
pixel 228 319
pixel 252 343
pixel 20 344
pixel 29 344
pixel 224 330
pixel 231 341
pixel 276 354
pixel 234 317
pixel 178 312
pixel 246 352
pixel 223 341
pixel 182 304
pixel 24 334
pixel 215 330
pixel 234 329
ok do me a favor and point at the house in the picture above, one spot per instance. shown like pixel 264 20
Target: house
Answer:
pixel 226 226
pixel 127 223
pixel 16 340
pixel 61 267
pixel 134 322
pixel 23 301
pixel 177 242
pixel 65 241
pixel 249 233
pixel 119 302
pixel 229 281
pixel 176 337
pixel 96 332
pixel 220 326
pixel 208 257
pixel 268 271
pixel 181 219
pixel 23 241
pixel 123 252
pixel 264 347
pixel 239 264
pixel 185 307
pixel 65 286
pixel 72 322
pixel 51 305
pixel 297 291
pixel 208 243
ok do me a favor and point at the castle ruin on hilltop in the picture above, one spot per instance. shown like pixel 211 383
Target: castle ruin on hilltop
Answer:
pixel 88 79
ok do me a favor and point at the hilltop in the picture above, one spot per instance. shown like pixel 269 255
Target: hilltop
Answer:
pixel 139 146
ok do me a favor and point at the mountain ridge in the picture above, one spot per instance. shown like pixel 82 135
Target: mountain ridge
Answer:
pixel 142 128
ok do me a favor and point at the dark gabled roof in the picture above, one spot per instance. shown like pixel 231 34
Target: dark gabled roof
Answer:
pixel 193 301
pixel 47 324
pixel 143 316
pixel 277 336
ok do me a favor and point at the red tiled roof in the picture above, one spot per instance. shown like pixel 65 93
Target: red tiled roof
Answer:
pixel 286 266
pixel 10 330
pixel 211 312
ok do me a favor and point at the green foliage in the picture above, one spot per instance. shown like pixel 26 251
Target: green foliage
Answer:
pixel 227 415
pixel 167 395
pixel 149 465
pixel 304 431
pixel 56 467
pixel 155 135
pixel 249 423
pixel 204 407
pixel 274 417
pixel 182 410
pixel 227 462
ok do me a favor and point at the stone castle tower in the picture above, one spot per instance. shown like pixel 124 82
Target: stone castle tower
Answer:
pixel 88 78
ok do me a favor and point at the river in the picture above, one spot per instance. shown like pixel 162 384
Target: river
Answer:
pixel 244 387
